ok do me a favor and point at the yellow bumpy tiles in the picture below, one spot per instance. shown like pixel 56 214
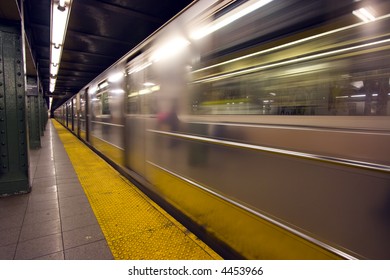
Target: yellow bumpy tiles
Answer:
pixel 134 226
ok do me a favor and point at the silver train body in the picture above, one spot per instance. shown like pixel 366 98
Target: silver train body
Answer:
pixel 270 130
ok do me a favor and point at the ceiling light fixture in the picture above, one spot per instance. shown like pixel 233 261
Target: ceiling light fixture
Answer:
pixel 60 10
pixel 365 14
pixel 53 69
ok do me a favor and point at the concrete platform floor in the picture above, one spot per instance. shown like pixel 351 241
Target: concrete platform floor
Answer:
pixel 55 220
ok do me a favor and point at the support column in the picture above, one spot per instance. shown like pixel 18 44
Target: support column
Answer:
pixel 43 110
pixel 13 138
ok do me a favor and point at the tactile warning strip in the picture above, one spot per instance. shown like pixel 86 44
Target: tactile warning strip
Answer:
pixel 134 226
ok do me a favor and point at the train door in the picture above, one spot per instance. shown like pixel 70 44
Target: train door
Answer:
pixel 72 105
pixel 66 115
pixel 85 103
pixel 77 114
pixel 135 119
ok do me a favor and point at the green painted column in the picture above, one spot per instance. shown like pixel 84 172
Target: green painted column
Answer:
pixel 13 137
pixel 33 113
pixel 42 109
pixel 44 112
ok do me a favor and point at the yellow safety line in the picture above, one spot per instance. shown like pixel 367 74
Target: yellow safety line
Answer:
pixel 134 226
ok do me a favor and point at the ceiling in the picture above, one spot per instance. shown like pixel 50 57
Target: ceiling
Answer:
pixel 102 31
pixel 99 33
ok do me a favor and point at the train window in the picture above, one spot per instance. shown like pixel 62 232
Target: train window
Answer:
pixel 100 103
pixel 308 89
pixel 82 106
pixel 133 88
pixel 274 20
pixel 142 85
pixel 105 103
pixel 342 71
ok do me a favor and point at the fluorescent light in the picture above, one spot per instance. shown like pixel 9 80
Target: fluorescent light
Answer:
pixel 342 96
pixel 149 84
pixel 358 95
pixel 230 17
pixel 55 54
pixel 364 14
pixel 52 84
pixel 60 20
pixel 115 77
pixel 54 69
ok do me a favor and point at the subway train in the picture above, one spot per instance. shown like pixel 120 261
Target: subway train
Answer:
pixel 265 123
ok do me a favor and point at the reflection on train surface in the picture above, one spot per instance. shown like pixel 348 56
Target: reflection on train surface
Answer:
pixel 265 122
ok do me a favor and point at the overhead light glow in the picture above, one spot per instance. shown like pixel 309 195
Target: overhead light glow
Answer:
pixel 230 17
pixel 115 77
pixel 166 50
pixel 117 91
pixel 358 95
pixel 357 84
pixel 52 84
pixel 149 84
pixel 155 88
pixel 133 94
pixel 92 90
pixel 364 14
pixel 139 68
pixel 50 102
pixel 288 62
pixel 144 91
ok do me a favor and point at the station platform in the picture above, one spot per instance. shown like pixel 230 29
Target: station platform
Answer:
pixel 80 208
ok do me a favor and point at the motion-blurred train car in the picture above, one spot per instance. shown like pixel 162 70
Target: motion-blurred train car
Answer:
pixel 265 122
